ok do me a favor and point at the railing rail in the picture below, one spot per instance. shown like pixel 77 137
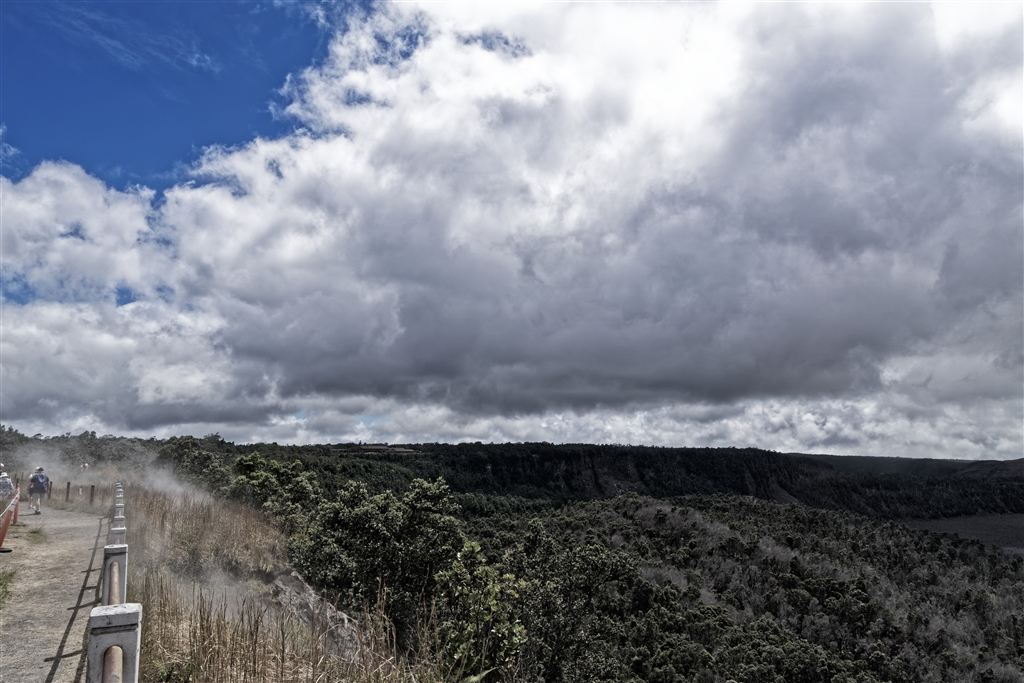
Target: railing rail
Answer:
pixel 115 628
pixel 113 664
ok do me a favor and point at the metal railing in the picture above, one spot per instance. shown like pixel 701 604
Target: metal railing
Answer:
pixel 115 628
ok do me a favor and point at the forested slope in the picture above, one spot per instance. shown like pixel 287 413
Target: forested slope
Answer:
pixel 714 587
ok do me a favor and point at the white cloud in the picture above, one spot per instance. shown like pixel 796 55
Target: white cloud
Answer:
pixel 960 23
pixel 774 225
pixel 70 238
pixel 7 150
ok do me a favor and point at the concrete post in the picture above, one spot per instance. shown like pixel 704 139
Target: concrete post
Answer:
pixel 118 625
pixel 115 554
pixel 117 536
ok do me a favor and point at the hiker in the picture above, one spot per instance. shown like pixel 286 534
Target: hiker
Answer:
pixel 36 488
pixel 6 486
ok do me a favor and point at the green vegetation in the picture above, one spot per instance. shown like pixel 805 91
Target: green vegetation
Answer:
pixel 535 562
pixel 6 578
pixel 35 535
pixel 360 546
pixel 539 474
pixel 531 581
pixel 711 588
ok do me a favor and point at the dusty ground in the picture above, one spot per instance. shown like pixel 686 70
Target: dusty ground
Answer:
pixel 57 557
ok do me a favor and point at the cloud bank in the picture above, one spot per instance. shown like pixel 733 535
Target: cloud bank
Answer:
pixel 789 226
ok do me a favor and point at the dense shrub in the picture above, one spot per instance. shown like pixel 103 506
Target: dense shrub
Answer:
pixel 362 546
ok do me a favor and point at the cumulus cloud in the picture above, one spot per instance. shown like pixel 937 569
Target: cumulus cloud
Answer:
pixel 792 226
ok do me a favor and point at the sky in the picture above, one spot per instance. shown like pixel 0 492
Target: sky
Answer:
pixel 793 226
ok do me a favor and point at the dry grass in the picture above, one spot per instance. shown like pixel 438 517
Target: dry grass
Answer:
pixel 197 537
pixel 233 633
pixel 202 638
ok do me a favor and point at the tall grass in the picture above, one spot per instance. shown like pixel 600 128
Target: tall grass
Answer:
pixel 197 537
pixel 203 638
pixel 234 632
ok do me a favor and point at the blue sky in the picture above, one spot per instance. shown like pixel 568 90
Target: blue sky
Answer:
pixel 798 226
pixel 133 91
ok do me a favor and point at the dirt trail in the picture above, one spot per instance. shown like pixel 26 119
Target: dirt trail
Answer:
pixel 57 557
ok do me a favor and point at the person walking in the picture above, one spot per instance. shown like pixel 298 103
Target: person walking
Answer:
pixel 6 486
pixel 36 489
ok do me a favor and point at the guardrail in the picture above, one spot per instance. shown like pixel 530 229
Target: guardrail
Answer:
pixel 115 628
pixel 10 514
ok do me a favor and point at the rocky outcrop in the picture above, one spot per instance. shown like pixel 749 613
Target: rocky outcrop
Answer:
pixel 305 605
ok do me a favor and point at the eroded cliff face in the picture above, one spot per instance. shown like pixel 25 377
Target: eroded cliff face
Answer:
pixel 303 604
pixel 585 472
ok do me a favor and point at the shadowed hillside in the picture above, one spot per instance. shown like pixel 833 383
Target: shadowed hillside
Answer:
pixel 890 488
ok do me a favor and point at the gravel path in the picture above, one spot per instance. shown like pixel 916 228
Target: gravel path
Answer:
pixel 57 557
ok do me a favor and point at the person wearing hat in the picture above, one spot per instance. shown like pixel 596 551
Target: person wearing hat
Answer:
pixel 6 486
pixel 36 488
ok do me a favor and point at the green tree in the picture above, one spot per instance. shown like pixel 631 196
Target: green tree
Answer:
pixel 571 593
pixel 363 547
pixel 478 615
pixel 190 461
pixel 285 491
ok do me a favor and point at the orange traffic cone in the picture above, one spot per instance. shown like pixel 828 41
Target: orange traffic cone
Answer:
pixel 9 513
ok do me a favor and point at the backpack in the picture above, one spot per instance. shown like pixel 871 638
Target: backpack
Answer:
pixel 37 482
